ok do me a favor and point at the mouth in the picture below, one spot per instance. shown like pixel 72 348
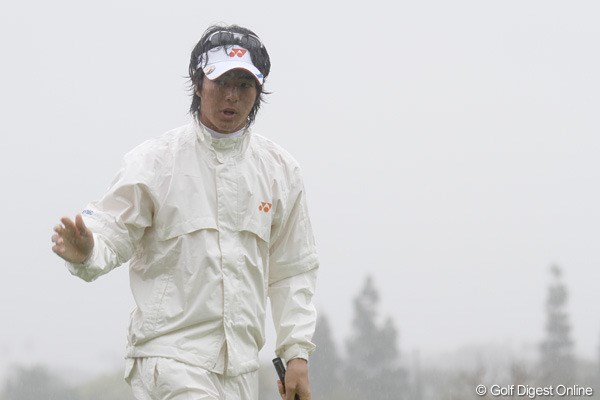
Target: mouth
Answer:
pixel 230 112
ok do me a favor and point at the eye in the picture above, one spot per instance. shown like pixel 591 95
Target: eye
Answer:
pixel 219 82
pixel 246 85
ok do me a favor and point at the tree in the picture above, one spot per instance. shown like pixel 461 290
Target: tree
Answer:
pixel 372 365
pixel 106 387
pixel 36 383
pixel 557 362
pixel 325 362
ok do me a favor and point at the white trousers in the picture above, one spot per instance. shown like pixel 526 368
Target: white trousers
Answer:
pixel 157 378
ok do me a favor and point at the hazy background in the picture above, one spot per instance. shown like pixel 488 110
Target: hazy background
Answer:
pixel 450 150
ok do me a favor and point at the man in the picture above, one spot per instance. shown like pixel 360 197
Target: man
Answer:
pixel 213 220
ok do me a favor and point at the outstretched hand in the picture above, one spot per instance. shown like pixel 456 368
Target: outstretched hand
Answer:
pixel 73 241
pixel 296 381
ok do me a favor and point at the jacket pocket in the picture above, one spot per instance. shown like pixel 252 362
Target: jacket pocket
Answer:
pixel 254 236
pixel 179 227
pixel 188 204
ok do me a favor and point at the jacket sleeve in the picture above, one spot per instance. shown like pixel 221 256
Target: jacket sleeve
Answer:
pixel 119 218
pixel 293 266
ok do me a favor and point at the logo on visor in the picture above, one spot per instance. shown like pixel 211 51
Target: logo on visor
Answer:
pixel 237 52
pixel 209 69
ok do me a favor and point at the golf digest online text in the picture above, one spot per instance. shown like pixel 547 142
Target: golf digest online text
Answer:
pixel 533 392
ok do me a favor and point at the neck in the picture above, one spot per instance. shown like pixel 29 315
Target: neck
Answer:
pixel 221 135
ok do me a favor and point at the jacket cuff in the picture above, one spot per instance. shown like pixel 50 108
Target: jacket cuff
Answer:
pixel 295 351
pixel 82 269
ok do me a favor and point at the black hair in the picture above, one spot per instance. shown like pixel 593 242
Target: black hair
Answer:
pixel 259 55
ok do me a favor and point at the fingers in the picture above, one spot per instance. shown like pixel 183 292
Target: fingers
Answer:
pixel 289 395
pixel 72 240
pixel 68 224
pixel 76 227
pixel 63 231
pixel 57 240
pixel 60 250
pixel 59 246
pixel 59 229
pixel 281 389
pixel 83 230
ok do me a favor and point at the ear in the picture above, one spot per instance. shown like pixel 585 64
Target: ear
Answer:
pixel 198 87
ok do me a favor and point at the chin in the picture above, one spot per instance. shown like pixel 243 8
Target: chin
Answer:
pixel 230 128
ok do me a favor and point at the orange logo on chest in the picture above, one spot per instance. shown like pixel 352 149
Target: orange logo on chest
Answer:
pixel 264 206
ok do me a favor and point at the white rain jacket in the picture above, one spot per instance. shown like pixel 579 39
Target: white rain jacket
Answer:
pixel 211 228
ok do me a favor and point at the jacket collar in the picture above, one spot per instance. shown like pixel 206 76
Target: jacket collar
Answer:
pixel 221 149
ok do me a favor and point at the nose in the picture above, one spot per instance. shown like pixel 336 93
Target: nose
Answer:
pixel 232 94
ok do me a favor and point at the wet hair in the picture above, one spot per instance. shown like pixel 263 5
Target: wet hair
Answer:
pixel 259 55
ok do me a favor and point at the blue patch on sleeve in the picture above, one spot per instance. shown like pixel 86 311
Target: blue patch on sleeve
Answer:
pixel 88 212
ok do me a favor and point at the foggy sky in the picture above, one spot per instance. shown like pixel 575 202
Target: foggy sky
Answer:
pixel 449 149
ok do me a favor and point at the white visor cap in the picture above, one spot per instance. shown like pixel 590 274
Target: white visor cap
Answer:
pixel 219 60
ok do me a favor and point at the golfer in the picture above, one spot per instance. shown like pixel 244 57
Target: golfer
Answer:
pixel 212 219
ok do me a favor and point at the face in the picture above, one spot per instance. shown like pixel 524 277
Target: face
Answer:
pixel 227 101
